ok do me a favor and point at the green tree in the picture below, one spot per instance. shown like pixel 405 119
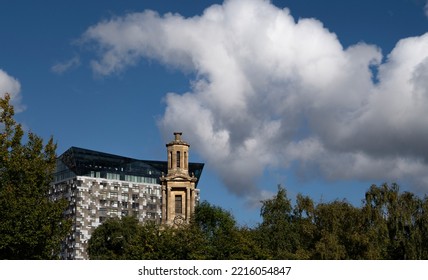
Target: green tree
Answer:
pixel 375 212
pixel 249 245
pixel 31 225
pixel 339 231
pixel 389 225
pixel 277 232
pixel 115 238
pixel 125 239
pixel 185 242
pixel 304 221
pixel 396 222
pixel 211 234
pixel 219 230
pixel 422 230
pixel 409 212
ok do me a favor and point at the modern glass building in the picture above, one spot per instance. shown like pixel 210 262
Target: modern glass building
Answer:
pixel 100 185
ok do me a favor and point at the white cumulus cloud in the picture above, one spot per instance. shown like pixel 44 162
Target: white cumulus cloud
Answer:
pixel 11 85
pixel 270 90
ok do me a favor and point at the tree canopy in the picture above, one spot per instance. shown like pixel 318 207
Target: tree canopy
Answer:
pixel 388 225
pixel 31 225
pixel 212 234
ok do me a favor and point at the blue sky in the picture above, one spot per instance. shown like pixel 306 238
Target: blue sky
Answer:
pixel 323 97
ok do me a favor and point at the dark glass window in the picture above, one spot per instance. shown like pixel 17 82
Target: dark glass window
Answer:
pixel 178 158
pixel 103 212
pixel 178 204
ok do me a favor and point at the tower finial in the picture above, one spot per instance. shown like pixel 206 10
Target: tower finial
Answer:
pixel 178 136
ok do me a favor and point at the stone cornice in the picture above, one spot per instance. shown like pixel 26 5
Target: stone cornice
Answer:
pixel 178 176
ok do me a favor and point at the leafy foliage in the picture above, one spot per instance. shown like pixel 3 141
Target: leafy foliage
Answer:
pixel 389 225
pixel 222 237
pixel 212 234
pixel 277 231
pixel 31 225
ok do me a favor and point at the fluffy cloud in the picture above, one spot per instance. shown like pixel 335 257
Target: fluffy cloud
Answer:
pixel 9 84
pixel 272 91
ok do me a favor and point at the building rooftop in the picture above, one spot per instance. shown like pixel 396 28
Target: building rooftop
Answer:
pixel 83 162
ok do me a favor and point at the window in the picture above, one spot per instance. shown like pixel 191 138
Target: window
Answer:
pixel 170 160
pixel 178 204
pixel 135 205
pixel 103 212
pixel 132 178
pixel 135 197
pixel 124 204
pixel 178 158
pixel 113 195
pixel 97 174
pixel 113 176
pixel 124 197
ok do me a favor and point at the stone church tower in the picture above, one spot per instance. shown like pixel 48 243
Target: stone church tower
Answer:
pixel 178 186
